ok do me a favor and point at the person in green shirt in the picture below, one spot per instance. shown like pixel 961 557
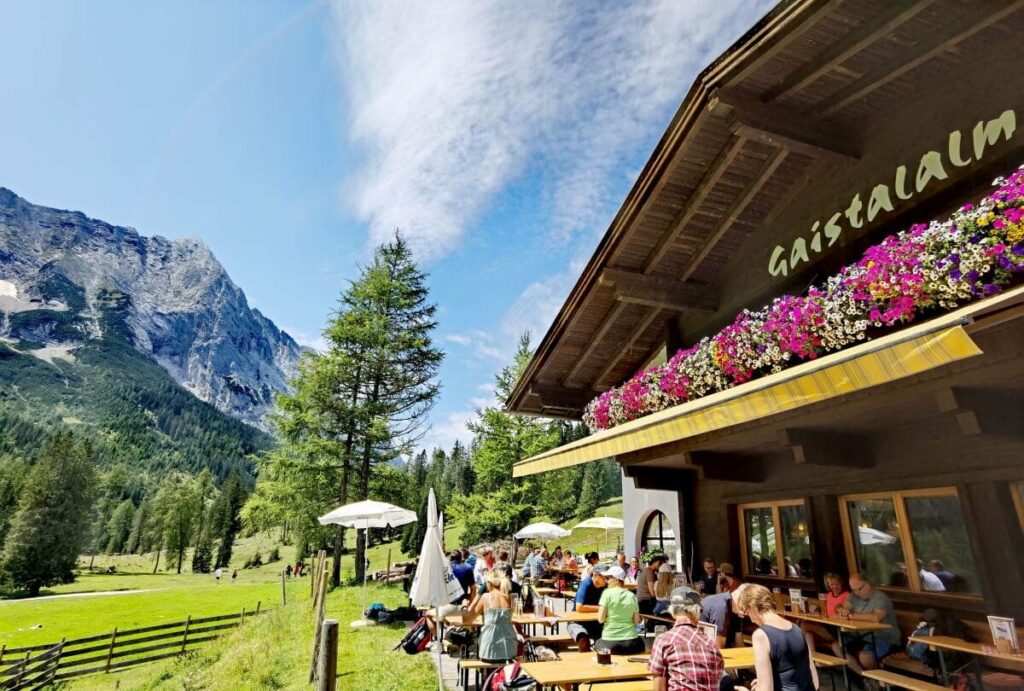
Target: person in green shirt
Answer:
pixel 619 613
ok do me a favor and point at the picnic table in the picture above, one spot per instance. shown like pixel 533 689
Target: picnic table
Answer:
pixel 841 625
pixel 944 644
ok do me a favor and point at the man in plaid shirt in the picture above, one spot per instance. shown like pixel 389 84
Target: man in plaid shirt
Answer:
pixel 683 659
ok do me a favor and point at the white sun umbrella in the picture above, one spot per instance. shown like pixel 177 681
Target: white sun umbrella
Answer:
pixel 542 530
pixel 873 536
pixel 600 522
pixel 364 515
pixel 434 584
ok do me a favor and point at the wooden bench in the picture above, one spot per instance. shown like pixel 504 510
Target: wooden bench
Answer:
pixel 478 668
pixel 553 640
pixel 640 685
pixel 903 663
pixel 890 679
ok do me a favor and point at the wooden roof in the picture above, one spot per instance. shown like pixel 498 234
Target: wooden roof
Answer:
pixel 798 90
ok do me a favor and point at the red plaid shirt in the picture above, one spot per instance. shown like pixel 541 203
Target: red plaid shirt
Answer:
pixel 687 659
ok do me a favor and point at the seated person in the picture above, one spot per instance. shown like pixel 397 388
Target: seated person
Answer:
pixel 865 603
pixel 633 570
pixel 707 582
pixel 947 577
pixel 588 599
pixel 683 658
pixel 835 596
pixel 539 564
pixel 618 613
pixel 592 559
pixel 569 561
pixel 663 588
pixel 727 581
pixel 645 580
pixel 720 609
pixel 557 559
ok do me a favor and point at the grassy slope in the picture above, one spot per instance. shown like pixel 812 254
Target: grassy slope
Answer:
pixel 274 653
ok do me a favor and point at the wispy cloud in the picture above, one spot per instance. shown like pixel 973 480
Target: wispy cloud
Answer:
pixel 451 101
pixel 316 341
pixel 481 346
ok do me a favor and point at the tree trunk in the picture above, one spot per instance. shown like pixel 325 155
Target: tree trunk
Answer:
pixel 181 557
pixel 156 564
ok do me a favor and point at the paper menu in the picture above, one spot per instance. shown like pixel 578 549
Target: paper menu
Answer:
pixel 1004 629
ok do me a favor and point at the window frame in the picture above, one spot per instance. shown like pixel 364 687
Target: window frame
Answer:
pixel 662 520
pixel 898 498
pixel 780 557
pixel 1017 492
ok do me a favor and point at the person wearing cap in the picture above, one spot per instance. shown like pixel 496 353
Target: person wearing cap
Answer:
pixel 588 599
pixel 645 580
pixel 619 614
pixel 683 659
pixel 727 581
pixel 663 588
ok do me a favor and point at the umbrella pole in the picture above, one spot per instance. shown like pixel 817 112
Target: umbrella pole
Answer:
pixel 440 647
pixel 364 621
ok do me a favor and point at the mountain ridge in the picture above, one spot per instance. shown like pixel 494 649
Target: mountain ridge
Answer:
pixel 184 311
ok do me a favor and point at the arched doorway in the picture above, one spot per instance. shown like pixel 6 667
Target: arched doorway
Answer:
pixel 658 533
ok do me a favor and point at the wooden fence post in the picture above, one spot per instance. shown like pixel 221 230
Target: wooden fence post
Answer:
pixel 328 656
pixel 284 591
pixel 258 603
pixel 242 620
pixel 184 636
pixel 56 661
pixel 110 651
pixel 3 649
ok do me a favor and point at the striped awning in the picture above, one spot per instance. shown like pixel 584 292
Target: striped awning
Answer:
pixel 912 350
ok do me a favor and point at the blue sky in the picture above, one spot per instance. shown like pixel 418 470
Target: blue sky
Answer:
pixel 294 136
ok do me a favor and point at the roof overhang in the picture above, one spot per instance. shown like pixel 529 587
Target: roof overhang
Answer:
pixel 911 351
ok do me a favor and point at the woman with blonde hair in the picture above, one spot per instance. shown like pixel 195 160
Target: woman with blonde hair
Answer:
pixel 498 639
pixel 782 657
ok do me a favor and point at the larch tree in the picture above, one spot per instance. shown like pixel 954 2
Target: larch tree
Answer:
pixel 50 526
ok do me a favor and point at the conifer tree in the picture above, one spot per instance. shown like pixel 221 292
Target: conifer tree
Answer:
pixel 136 543
pixel 120 526
pixel 226 520
pixel 12 478
pixel 49 528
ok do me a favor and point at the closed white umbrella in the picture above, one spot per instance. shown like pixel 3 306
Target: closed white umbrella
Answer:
pixel 542 530
pixel 364 515
pixel 434 584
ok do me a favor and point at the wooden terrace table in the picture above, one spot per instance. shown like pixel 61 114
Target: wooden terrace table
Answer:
pixel 841 625
pixel 573 669
pixel 959 645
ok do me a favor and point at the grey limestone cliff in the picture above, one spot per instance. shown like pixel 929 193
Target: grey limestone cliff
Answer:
pixel 184 309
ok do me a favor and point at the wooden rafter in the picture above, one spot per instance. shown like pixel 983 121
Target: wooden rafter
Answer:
pixel 957 29
pixel 747 117
pixel 560 398
pixel 596 340
pixel 714 174
pixel 897 12
pixel 767 170
pixel 624 348
pixel 663 293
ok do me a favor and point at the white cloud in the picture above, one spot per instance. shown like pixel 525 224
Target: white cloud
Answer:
pixel 448 428
pixel 450 101
pixel 481 346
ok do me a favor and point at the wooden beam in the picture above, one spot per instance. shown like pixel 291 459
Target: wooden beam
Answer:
pixel 827 448
pixel 658 478
pixel 896 13
pixel 752 190
pixel 956 29
pixel 663 293
pixel 595 341
pixel 993 412
pixel 561 397
pixel 727 467
pixel 714 173
pixel 748 117
pixel 625 347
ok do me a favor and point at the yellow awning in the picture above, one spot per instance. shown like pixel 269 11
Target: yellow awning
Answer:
pixel 905 353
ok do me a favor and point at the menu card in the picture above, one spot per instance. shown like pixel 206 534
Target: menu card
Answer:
pixel 796 599
pixel 1004 633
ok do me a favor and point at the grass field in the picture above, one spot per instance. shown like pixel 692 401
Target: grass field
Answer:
pixel 274 652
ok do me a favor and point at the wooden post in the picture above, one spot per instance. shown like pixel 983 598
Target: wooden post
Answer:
pixel 184 636
pixel 242 620
pixel 55 665
pixel 3 649
pixel 387 569
pixel 258 603
pixel 284 590
pixel 110 651
pixel 328 656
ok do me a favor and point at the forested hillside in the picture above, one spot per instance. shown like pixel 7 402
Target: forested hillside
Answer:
pixel 106 391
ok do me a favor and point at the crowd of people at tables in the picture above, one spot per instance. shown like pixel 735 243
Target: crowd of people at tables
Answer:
pixel 682 657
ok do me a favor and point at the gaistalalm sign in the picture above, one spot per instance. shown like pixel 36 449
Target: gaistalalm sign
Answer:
pixel 932 166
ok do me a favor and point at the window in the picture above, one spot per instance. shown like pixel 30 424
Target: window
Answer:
pixel 658 534
pixel 775 539
pixel 912 540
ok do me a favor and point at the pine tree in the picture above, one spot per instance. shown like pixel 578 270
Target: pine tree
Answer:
pixel 12 479
pixel 226 520
pixel 202 557
pixel 120 526
pixel 49 528
pixel 136 543
pixel 591 494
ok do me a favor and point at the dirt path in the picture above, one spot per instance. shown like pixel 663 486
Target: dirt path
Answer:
pixel 90 594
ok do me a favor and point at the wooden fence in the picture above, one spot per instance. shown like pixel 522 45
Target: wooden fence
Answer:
pixel 36 666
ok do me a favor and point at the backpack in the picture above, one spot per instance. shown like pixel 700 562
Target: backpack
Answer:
pixel 918 650
pixel 416 639
pixel 528 596
pixel 510 678
pixel 405 614
pixel 374 610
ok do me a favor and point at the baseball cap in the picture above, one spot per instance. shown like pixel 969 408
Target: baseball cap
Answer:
pixel 601 569
pixel 665 568
pixel 615 572
pixel 686 596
